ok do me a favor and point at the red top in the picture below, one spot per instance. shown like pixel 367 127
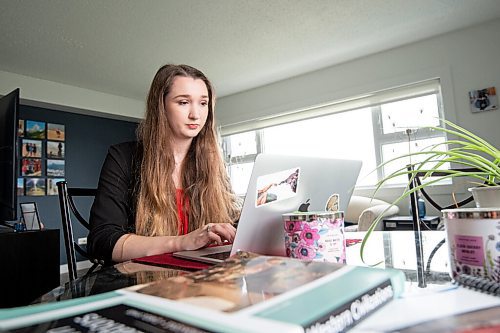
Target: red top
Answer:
pixel 181 208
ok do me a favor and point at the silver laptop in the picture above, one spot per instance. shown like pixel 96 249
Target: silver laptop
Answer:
pixel 282 184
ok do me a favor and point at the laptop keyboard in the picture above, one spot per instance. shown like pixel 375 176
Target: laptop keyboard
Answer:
pixel 219 255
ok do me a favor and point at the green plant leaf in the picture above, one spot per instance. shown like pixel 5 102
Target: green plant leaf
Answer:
pixel 467 150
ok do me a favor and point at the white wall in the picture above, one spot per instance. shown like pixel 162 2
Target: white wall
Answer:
pixel 468 59
pixel 64 97
pixel 464 60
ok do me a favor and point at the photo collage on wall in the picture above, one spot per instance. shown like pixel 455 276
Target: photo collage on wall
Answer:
pixel 41 157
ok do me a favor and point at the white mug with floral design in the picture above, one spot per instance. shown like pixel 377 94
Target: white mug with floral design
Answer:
pixel 317 236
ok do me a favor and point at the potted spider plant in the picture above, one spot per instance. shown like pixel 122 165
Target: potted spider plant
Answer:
pixel 479 159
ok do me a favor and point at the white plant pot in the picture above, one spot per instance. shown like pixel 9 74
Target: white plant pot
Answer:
pixel 486 196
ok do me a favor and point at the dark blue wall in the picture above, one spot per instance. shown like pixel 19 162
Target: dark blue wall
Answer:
pixel 87 140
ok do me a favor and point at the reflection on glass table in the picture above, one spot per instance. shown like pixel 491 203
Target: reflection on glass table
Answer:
pixel 396 249
pixel 107 279
pixel 390 249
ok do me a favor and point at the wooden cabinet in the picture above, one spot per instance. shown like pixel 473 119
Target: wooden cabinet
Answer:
pixel 30 265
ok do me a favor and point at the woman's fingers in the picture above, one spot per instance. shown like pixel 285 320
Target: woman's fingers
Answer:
pixel 214 238
pixel 210 233
pixel 219 232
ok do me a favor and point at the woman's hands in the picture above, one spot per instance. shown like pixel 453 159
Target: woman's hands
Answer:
pixel 134 246
pixel 216 233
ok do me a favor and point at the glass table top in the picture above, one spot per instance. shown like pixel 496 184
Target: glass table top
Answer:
pixel 397 249
pixel 384 249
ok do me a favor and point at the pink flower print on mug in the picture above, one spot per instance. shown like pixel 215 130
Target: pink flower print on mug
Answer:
pixel 315 236
pixel 293 226
pixel 309 235
pixel 304 251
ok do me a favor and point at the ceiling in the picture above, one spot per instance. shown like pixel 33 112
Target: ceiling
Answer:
pixel 116 46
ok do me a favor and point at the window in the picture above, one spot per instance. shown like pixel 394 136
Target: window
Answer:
pixel 373 128
pixel 401 130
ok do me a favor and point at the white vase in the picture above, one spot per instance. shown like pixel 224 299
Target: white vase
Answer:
pixel 486 196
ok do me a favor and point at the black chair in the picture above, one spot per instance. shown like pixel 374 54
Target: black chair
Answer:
pixel 416 181
pixel 67 204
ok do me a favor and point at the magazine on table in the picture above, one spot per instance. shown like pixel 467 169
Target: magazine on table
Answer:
pixel 310 294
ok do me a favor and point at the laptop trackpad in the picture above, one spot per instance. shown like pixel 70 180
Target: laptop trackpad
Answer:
pixel 211 255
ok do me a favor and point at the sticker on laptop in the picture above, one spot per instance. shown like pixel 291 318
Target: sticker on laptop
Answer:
pixel 332 205
pixel 277 186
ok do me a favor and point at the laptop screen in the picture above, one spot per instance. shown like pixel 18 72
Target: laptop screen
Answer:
pixel 282 184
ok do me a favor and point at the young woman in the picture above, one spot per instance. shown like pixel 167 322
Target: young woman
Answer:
pixel 168 191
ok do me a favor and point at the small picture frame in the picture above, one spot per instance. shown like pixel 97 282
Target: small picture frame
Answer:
pixel 55 168
pixel 52 185
pixel 55 149
pixel 483 99
pixel 31 167
pixel 29 215
pixel 34 187
pixel 31 148
pixel 35 129
pixel 55 132
pixel 20 186
pixel 20 128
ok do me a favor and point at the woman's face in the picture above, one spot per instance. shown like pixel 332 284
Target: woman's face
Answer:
pixel 186 106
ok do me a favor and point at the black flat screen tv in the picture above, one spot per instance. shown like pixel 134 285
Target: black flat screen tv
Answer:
pixel 9 120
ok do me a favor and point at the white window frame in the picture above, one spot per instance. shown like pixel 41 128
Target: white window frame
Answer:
pixel 381 139
pixel 374 100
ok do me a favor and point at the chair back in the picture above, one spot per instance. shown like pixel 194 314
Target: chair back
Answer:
pixel 417 182
pixel 68 208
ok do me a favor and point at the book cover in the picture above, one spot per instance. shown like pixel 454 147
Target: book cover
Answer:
pixel 122 312
pixel 313 295
pixel 114 318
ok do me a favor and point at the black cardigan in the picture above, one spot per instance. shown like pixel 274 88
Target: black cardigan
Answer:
pixel 113 212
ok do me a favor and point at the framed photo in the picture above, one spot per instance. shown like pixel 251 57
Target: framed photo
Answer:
pixel 55 149
pixel 483 99
pixel 35 186
pixel 55 168
pixel 20 186
pixel 31 148
pixel 55 132
pixel 52 187
pixel 31 167
pixel 29 214
pixel 20 128
pixel 35 129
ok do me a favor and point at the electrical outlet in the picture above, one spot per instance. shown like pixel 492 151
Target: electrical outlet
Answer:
pixel 82 241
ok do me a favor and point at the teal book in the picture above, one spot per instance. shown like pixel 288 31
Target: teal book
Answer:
pixel 122 312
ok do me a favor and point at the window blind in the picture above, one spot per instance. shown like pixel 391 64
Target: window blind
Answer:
pixel 357 102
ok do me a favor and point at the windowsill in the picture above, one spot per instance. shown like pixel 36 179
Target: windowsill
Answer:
pixel 434 189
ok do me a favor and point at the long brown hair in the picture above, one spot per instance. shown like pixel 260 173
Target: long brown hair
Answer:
pixel 205 182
